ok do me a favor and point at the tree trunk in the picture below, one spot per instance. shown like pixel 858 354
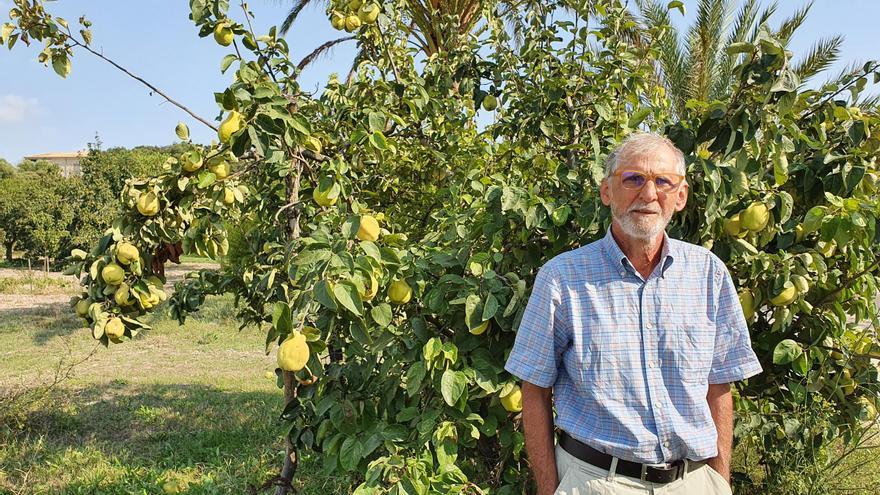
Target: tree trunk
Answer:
pixel 9 250
pixel 291 459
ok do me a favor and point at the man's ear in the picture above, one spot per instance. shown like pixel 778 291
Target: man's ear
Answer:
pixel 681 197
pixel 605 192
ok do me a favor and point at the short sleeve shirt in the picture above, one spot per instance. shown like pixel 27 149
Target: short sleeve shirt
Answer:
pixel 630 359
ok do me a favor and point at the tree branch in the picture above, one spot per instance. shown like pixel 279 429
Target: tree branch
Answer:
pixel 141 80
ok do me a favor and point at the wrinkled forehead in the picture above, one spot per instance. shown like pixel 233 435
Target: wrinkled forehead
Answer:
pixel 658 160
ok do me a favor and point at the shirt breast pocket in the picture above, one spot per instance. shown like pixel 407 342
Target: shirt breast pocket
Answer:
pixel 693 350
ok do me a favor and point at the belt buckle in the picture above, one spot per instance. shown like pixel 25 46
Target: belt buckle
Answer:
pixel 666 466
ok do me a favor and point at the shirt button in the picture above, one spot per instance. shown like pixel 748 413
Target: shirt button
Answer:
pixel 622 273
pixel 651 364
pixel 649 325
pixel 666 444
pixel 658 404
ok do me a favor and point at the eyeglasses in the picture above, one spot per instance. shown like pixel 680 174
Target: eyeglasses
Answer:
pixel 664 182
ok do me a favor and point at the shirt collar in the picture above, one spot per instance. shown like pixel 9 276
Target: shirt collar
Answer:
pixel 620 262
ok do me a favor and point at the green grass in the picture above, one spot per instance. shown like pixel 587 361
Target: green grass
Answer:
pixel 36 284
pixel 187 403
pixel 184 403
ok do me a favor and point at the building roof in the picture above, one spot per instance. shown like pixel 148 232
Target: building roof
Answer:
pixel 58 154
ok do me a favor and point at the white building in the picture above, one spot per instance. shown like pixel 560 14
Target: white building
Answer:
pixel 68 161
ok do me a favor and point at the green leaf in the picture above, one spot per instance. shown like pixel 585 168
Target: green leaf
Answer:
pixel 431 349
pixel 61 63
pixel 780 168
pixel 350 453
pixel 604 112
pixel 801 365
pixel 740 47
pixel 490 308
pixel 377 139
pixel 227 61
pixel 786 204
pixel 414 377
pixel 381 314
pixel 206 178
pixel 786 351
pixel 638 116
pixel 676 4
pixel 377 122
pixel 281 319
pixel 359 333
pixel 407 414
pixel 300 124
pixel 813 219
pixel 347 295
pixel 324 296
pixel 471 306
pixel 452 385
pixel 371 250
pixel 182 131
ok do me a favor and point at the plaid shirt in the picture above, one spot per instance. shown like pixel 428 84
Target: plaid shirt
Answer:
pixel 629 359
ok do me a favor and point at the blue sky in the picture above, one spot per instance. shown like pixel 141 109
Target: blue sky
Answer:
pixel 40 112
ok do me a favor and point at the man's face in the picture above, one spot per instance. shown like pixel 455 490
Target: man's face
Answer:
pixel 644 213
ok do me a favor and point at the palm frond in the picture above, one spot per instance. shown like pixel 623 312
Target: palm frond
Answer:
pixel 790 25
pixel 745 22
pixel 703 45
pixel 317 52
pixel 671 57
pixel 359 57
pixel 765 16
pixel 822 54
pixel 869 103
pixel 291 16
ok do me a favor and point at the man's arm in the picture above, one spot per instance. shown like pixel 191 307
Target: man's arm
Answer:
pixel 538 426
pixel 721 406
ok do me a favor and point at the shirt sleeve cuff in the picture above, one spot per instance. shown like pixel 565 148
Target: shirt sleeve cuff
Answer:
pixel 735 373
pixel 527 373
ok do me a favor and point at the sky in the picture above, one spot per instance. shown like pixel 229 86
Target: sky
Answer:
pixel 41 112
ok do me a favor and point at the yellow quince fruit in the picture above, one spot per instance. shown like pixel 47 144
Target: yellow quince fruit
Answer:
pixel 293 353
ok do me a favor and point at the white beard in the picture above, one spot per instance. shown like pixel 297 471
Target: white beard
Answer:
pixel 643 228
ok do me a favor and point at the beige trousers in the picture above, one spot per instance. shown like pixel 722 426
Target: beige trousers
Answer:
pixel 577 477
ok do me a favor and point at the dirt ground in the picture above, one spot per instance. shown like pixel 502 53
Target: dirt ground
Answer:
pixel 57 297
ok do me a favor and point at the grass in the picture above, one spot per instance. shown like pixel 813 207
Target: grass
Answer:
pixel 36 284
pixel 187 403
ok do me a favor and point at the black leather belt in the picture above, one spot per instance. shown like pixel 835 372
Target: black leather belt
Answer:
pixel 644 472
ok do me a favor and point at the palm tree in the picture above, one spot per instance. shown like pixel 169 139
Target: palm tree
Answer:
pixel 423 24
pixel 697 64
pixel 433 26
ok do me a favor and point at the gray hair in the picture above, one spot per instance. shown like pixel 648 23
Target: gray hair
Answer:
pixel 643 144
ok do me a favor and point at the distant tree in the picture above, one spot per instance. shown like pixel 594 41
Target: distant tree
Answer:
pixel 13 197
pixel 44 167
pixel 35 212
pixel 6 169
pixel 103 176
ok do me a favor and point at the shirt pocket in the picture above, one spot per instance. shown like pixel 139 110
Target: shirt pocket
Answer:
pixel 693 350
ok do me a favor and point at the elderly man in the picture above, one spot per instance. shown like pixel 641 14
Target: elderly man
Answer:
pixel 636 339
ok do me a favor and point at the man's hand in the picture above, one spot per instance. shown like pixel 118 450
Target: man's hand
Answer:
pixel 538 426
pixel 721 406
